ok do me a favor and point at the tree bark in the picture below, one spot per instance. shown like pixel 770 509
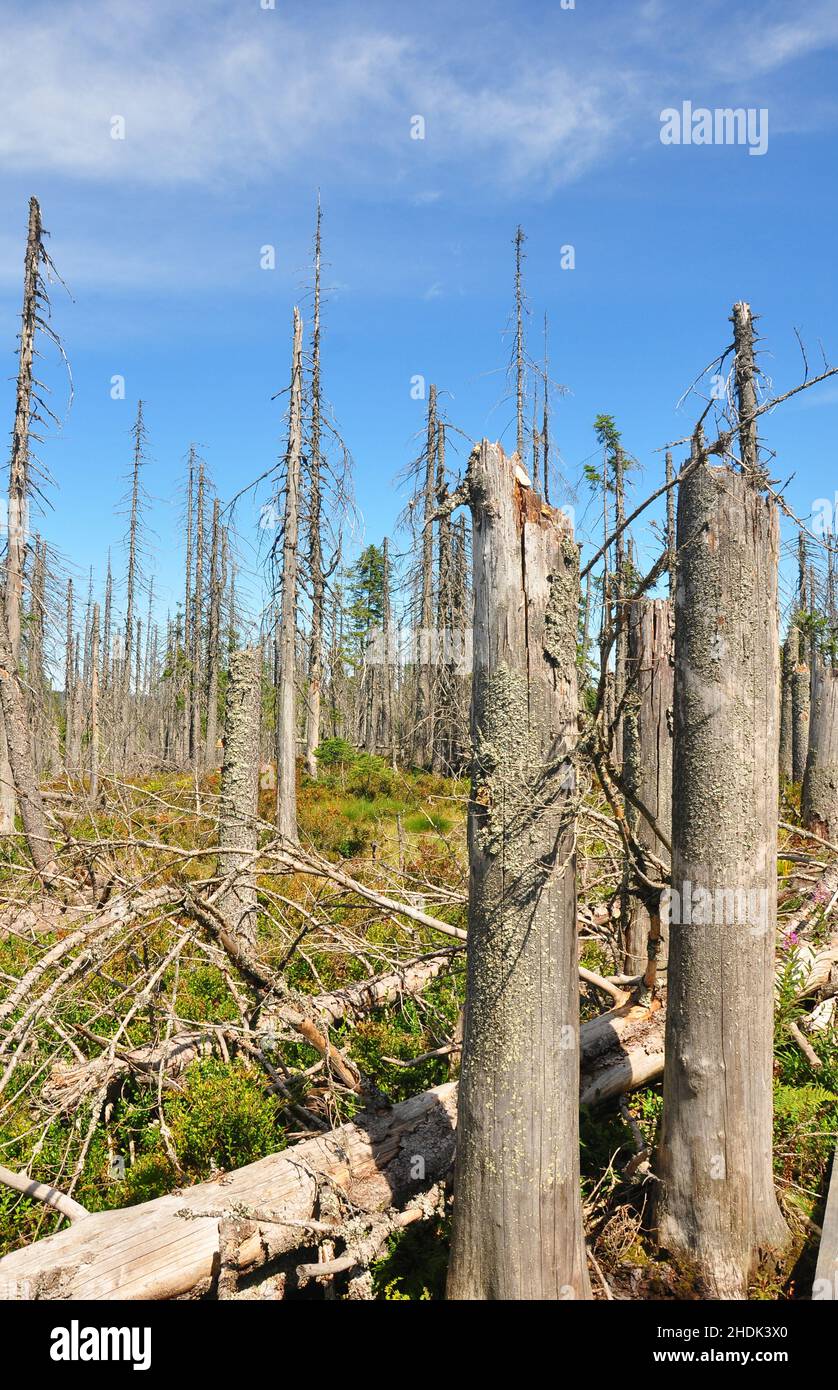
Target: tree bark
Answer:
pixel 819 801
pixel 237 833
pixel 286 704
pixel 718 1210
pixel 213 643
pixel 94 704
pixel 647 765
pixel 424 732
pixel 13 706
pixel 19 485
pixel 786 683
pixel 315 664
pixel 373 1161
pixel 518 1217
pixel 801 677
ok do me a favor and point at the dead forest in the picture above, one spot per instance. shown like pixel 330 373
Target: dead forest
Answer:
pixel 457 918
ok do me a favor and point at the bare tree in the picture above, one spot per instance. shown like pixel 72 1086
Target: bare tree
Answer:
pixel 237 821
pixel 286 711
pixel 718 1209
pixel 518 1218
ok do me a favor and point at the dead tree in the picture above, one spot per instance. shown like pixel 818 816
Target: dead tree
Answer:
pixel 424 729
pixel 286 711
pixel 819 800
pixel 237 820
pixel 19 482
pixel 647 746
pixel 786 689
pixel 718 1210
pixel 94 704
pixel 315 548
pixel 518 1218
pixel 213 643
pixel 125 721
pixel 520 386
pixel 187 606
pixel 801 676
pixel 197 626
pixel 25 781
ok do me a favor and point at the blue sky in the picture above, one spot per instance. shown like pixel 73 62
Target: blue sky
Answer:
pixel 235 116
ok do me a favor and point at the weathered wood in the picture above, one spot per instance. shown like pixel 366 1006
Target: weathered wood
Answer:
pixel 718 1208
pixel 170 1247
pixel 819 800
pixel 787 678
pixel 238 803
pixel 286 637
pixel 800 677
pixel 19 749
pixel 826 1272
pixel 517 1213
pixel 647 748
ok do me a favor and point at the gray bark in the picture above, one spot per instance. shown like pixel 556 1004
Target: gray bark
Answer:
pixel 19 486
pixel 647 735
pixel 237 833
pixel 801 678
pixel 518 1217
pixel 786 684
pixel 213 642
pixel 819 801
pixel 424 732
pixel 315 666
pixel 13 705
pixel 718 1211
pixel 286 711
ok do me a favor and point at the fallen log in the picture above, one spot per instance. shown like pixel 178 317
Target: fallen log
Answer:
pixel 68 1083
pixel 171 1247
pixel 154 1251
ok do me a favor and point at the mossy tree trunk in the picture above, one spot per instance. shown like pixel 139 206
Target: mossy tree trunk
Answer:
pixel 718 1211
pixel 518 1218
pixel 647 749
pixel 819 801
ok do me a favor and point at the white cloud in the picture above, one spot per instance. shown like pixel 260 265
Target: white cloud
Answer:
pixel 236 95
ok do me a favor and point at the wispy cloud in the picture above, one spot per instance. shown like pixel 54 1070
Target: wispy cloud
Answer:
pixel 238 95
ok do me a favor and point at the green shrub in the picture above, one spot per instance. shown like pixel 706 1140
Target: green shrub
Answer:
pixel 224 1119
pixel 369 776
pixel 335 753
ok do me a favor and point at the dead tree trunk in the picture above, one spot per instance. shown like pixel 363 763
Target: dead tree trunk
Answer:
pixel 718 1210
pixel 25 781
pixel 197 626
pixel 786 687
pixel 424 735
pixel 213 641
pixel 819 802
pixel 647 744
pixel 519 345
pixel 518 1217
pixel 801 678
pixel 286 711
pixel 237 833
pixel 94 704
pixel 315 659
pixel 19 484
pixel 125 721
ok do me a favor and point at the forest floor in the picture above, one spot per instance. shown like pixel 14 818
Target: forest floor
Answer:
pixel 403 834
